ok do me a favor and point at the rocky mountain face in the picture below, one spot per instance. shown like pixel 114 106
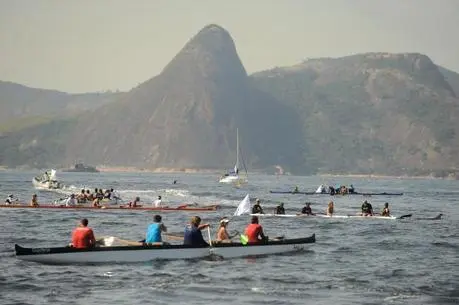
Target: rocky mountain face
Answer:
pixel 370 113
pixel 187 116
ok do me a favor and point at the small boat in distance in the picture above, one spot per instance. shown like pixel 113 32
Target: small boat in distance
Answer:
pixel 47 181
pixel 233 176
pixel 145 253
pixel 80 167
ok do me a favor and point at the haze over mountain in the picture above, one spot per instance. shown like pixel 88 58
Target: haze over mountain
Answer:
pixel 369 113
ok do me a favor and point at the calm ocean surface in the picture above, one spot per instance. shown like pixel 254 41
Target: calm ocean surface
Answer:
pixel 410 261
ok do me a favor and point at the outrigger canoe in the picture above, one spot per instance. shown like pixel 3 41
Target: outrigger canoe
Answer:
pixel 336 194
pixel 334 216
pixel 144 253
pixel 190 208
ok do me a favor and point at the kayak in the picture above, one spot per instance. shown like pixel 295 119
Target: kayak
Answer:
pixel 328 194
pixel 145 253
pixel 111 207
pixel 333 216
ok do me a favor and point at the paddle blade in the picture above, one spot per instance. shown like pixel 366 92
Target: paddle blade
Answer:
pixel 405 216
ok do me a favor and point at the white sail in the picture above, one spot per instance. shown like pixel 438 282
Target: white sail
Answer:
pixel 243 207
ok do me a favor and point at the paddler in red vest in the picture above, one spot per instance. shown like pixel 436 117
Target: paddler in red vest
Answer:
pixel 254 231
pixel 83 236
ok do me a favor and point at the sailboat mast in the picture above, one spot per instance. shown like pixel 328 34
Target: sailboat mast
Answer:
pixel 237 148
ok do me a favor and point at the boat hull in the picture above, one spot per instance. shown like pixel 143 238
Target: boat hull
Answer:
pixel 233 180
pixel 327 216
pixel 132 254
pixel 328 194
pixel 111 208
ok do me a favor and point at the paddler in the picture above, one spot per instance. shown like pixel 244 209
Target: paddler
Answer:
pixel 280 209
pixel 10 199
pixel 193 234
pixel 83 236
pixel 34 201
pixel 296 190
pixel 257 209
pixel 154 230
pixel 135 203
pixel 222 233
pixel 367 209
pixel 386 212
pixel 307 209
pixel 157 202
pixel 330 208
pixel 254 231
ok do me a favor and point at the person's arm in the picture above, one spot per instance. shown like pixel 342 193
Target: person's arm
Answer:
pixel 163 228
pixel 262 234
pixel 92 238
pixel 203 226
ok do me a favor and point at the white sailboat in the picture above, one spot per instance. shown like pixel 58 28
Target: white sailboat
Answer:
pixel 233 176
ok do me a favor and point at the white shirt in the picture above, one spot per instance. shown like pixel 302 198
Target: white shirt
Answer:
pixel 9 200
pixel 157 203
pixel 70 201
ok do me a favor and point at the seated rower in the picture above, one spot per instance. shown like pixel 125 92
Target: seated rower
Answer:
pixel 367 209
pixel 135 203
pixel 10 199
pixel 330 208
pixel 71 200
pixel 257 209
pixel 83 236
pixel 386 212
pixel 296 190
pixel 193 234
pixel 81 198
pixel 34 201
pixel 351 189
pixel 307 209
pixel 96 203
pixel 157 202
pixel 154 230
pixel 89 196
pixel 222 233
pixel 280 209
pixel 254 231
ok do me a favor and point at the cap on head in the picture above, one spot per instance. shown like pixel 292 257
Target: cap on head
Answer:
pixel 157 218
pixel 254 219
pixel 224 220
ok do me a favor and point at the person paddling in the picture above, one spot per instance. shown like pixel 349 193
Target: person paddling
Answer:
pixel 386 212
pixel 222 233
pixel 367 209
pixel 330 208
pixel 158 202
pixel 307 209
pixel 34 201
pixel 83 236
pixel 254 231
pixel 280 209
pixel 10 199
pixel 154 230
pixel 257 209
pixel 193 234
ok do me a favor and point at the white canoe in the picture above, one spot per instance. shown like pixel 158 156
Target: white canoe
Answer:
pixel 132 254
pixel 334 216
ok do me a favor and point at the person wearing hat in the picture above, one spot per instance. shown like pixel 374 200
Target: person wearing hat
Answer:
pixel 386 212
pixel 222 233
pixel 193 234
pixel 254 231
pixel 154 230
pixel 367 209
pixel 257 209
pixel 280 209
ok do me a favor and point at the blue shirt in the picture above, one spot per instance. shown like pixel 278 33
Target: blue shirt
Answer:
pixel 193 237
pixel 153 233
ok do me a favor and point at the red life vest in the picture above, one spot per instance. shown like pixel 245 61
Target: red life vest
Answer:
pixel 83 237
pixel 253 231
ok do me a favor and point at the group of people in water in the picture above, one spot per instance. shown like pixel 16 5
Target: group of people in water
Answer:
pixel 83 236
pixel 366 209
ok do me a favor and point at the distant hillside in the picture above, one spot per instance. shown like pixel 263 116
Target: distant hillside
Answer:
pixel 452 78
pixel 374 113
pixel 18 101
pixel 371 113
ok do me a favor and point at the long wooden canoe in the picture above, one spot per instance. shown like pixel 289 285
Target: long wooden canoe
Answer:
pixel 190 208
pixel 143 253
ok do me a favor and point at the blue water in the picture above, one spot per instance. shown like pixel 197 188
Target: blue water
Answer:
pixel 410 261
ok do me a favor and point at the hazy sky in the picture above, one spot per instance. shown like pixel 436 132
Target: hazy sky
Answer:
pixel 88 45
